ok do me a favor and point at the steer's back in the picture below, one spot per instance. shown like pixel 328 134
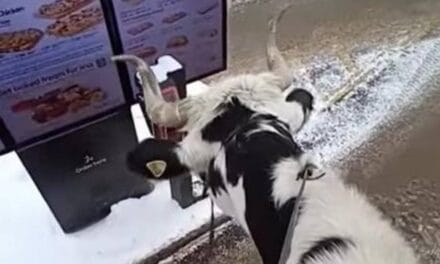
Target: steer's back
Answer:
pixel 338 225
pixel 243 173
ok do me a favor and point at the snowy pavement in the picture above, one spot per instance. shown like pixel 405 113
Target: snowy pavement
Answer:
pixel 396 83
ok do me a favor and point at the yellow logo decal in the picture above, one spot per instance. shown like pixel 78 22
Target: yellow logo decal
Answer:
pixel 157 167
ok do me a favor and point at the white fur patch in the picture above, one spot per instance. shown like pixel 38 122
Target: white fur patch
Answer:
pixel 232 202
pixel 285 185
pixel 259 92
pixel 333 209
pixel 223 201
pixel 285 173
pixel 290 113
pixel 220 164
pixel 197 153
pixel 238 196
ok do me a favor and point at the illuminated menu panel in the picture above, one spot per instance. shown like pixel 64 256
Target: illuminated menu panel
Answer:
pixel 189 30
pixel 54 65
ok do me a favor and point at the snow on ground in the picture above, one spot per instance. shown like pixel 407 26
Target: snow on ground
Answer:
pixel 139 227
pixel 395 85
pixel 136 228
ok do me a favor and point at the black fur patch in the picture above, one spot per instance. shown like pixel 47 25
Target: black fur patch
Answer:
pixel 232 115
pixel 303 97
pixel 253 158
pixel 214 178
pixel 327 245
pixel 152 150
pixel 265 147
pixel 251 153
pixel 286 211
pixel 285 214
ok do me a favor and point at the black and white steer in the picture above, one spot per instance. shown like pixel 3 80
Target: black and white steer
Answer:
pixel 239 136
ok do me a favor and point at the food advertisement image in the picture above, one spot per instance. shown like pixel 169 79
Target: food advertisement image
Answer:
pixel 55 66
pixel 189 30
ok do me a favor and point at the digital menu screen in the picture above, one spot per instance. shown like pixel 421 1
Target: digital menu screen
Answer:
pixel 193 31
pixel 55 67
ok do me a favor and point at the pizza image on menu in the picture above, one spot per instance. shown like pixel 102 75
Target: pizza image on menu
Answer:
pixel 174 18
pixel 21 40
pixel 59 102
pixel 177 42
pixel 138 29
pixel 76 23
pixel 62 8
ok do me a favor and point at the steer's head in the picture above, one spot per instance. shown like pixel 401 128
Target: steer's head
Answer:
pixel 212 118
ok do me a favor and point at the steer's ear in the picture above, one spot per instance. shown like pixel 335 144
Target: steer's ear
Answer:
pixel 300 106
pixel 303 98
pixel 156 159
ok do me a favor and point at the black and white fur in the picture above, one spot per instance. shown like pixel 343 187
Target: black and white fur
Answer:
pixel 239 135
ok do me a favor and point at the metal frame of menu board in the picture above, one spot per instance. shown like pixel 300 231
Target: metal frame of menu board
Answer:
pixel 127 96
pixel 124 76
pixel 118 47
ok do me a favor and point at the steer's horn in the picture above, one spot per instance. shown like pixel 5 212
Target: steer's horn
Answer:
pixel 160 112
pixel 275 61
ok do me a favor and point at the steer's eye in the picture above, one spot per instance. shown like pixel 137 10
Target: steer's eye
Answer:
pixel 311 172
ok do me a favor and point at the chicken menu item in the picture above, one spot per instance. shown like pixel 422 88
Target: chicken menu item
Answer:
pixel 55 67
pixel 61 8
pixel 177 41
pixel 147 52
pixel 174 17
pixel 76 22
pixel 140 28
pixel 189 30
pixel 59 102
pixel 20 40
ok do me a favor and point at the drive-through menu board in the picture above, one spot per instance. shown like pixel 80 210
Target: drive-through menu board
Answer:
pixel 192 31
pixel 55 67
